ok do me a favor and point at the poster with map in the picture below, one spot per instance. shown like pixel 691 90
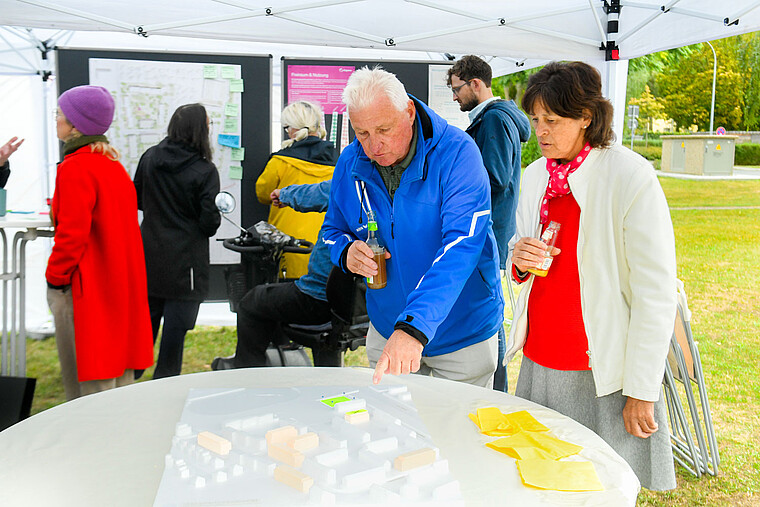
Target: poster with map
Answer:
pixel 148 92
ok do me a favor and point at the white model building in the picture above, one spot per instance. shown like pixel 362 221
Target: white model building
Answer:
pixel 304 446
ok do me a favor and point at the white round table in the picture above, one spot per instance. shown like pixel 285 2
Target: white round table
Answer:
pixel 109 448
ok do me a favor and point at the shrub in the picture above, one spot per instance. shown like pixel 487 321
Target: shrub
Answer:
pixel 530 150
pixel 747 154
pixel 649 152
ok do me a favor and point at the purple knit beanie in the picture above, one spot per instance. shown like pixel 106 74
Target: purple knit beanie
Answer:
pixel 88 108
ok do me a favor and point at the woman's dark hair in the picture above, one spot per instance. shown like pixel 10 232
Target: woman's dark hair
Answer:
pixel 189 126
pixel 571 90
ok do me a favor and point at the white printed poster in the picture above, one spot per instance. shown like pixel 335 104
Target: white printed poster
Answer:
pixel 148 92
pixel 440 98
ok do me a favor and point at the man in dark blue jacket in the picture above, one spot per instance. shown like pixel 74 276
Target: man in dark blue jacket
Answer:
pixel 425 184
pixel 498 127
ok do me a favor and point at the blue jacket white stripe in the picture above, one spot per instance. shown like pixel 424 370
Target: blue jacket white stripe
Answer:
pixel 443 274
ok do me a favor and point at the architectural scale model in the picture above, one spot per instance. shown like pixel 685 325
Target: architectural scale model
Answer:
pixel 304 446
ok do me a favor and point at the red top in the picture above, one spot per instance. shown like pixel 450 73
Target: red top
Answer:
pixel 556 334
pixel 99 251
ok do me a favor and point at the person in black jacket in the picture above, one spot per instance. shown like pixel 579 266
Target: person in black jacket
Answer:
pixel 6 151
pixel 176 184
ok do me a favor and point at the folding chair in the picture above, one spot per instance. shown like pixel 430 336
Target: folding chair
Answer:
pixel 694 445
pixel 512 301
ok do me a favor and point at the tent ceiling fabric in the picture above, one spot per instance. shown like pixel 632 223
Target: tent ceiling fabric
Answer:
pixel 517 29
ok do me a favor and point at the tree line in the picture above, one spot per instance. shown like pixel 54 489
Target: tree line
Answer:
pixel 677 84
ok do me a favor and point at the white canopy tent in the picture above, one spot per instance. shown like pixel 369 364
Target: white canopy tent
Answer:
pixel 512 34
pixel 510 28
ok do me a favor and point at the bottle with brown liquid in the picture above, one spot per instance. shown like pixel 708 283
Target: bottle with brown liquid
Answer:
pixel 380 279
pixel 549 237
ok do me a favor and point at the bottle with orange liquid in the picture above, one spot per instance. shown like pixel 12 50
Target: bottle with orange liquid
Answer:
pixel 380 280
pixel 549 237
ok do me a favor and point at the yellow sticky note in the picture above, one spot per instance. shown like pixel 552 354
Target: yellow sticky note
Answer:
pixel 236 86
pixel 559 475
pixel 490 418
pixel 228 72
pixel 493 422
pixel 209 72
pixel 237 154
pixel 524 421
pixel 236 172
pixel 230 125
pixel 231 110
pixel 530 445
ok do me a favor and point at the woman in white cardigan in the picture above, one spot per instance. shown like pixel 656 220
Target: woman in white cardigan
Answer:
pixel 595 330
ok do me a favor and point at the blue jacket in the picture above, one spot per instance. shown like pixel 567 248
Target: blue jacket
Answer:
pixel 443 274
pixel 498 131
pixel 306 198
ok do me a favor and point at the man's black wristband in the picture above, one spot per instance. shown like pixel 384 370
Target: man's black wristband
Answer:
pixel 412 331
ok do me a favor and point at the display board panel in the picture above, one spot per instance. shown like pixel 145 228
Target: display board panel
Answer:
pixel 148 86
pixel 322 81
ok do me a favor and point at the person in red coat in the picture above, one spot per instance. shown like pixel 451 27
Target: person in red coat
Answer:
pixel 97 289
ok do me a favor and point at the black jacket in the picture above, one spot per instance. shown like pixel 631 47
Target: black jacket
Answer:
pixel 176 190
pixel 5 172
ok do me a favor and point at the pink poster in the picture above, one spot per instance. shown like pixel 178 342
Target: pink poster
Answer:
pixel 321 84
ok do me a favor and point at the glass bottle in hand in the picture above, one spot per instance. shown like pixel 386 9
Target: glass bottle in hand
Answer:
pixel 380 279
pixel 549 237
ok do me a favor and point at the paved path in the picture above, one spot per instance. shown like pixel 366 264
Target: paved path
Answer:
pixel 740 173
pixel 713 207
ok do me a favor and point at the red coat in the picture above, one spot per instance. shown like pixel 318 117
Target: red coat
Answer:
pixel 98 250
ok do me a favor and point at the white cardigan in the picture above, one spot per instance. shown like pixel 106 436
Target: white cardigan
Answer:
pixel 626 266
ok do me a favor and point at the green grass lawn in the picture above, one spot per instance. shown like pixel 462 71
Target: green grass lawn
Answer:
pixel 718 261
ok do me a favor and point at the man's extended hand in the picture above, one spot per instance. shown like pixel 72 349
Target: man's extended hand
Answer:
pixel 401 356
pixel 638 416
pixel 9 149
pixel 360 259
pixel 275 196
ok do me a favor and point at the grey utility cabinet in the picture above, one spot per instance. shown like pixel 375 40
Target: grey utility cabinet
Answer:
pixel 698 154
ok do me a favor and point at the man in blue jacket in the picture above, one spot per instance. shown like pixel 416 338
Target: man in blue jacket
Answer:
pixel 498 127
pixel 303 301
pixel 425 183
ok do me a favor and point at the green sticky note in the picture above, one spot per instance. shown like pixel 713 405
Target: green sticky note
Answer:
pixel 331 402
pixel 236 86
pixel 238 154
pixel 230 125
pixel 356 411
pixel 228 72
pixel 236 172
pixel 231 110
pixel 209 72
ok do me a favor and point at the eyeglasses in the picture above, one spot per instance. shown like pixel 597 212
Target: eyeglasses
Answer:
pixel 210 122
pixel 455 89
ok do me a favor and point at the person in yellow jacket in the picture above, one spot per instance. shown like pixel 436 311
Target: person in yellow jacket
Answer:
pixel 305 157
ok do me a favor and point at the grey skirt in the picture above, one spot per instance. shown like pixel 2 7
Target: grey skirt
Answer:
pixel 572 393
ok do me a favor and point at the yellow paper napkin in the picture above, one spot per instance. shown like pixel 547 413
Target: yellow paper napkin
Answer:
pixel 559 475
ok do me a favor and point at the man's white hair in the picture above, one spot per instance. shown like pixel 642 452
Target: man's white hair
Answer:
pixel 366 85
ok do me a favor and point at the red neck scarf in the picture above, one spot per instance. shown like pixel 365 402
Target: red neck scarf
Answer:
pixel 558 173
